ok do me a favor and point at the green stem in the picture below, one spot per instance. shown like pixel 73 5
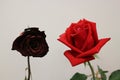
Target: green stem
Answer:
pixel 92 70
pixel 29 70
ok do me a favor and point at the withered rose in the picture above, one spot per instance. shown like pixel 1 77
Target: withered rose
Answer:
pixel 83 40
pixel 31 43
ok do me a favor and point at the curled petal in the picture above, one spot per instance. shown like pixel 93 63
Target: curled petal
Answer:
pixel 96 49
pixel 74 60
pixel 64 41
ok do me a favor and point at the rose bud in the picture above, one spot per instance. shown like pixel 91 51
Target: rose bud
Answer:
pixel 31 43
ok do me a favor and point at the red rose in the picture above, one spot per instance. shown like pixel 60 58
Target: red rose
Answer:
pixel 83 40
pixel 31 43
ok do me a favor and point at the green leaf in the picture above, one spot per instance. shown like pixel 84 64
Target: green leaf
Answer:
pixel 25 78
pixel 96 79
pixel 115 75
pixel 96 56
pixel 26 68
pixel 79 76
pixel 102 73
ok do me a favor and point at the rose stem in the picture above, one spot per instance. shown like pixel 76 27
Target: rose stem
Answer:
pixel 92 70
pixel 29 70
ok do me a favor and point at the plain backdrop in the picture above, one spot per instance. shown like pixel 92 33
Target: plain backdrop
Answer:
pixel 53 17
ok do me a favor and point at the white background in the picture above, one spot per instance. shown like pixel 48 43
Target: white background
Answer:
pixel 53 17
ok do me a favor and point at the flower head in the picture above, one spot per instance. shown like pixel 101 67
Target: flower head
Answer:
pixel 82 39
pixel 31 43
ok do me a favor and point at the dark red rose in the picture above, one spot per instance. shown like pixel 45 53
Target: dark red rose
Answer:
pixel 31 43
pixel 83 40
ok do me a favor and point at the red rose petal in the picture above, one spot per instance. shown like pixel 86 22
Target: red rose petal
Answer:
pixel 80 37
pixel 94 30
pixel 96 49
pixel 89 42
pixel 74 60
pixel 64 41
pixel 69 33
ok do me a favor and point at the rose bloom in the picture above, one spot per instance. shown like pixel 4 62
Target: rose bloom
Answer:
pixel 31 43
pixel 82 39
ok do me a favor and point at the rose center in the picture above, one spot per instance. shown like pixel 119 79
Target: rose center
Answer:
pixel 34 44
